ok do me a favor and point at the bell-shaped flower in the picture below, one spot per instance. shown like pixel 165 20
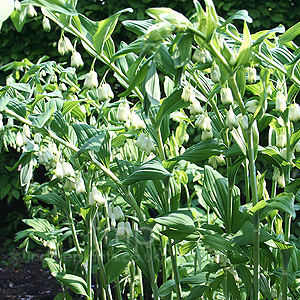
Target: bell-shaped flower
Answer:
pixel 91 80
pixel 252 106
pixel 215 74
pixel 76 60
pixel 188 94
pixel 136 121
pixel 199 56
pixel 196 107
pixel 294 112
pixel 140 140
pixel 297 146
pixel 117 211
pixel 17 5
pixel 105 92
pixel 123 113
pixel 26 130
pixel 80 186
pixel 19 139
pixel 110 209
pixel 251 75
pixel 245 122
pixel 113 220
pixel 206 135
pixel 205 124
pixel 121 233
pixel 212 161
pixel 30 11
pixel 59 172
pixel 127 228
pixel 10 123
pixel 46 24
pixel 38 138
pixel 68 169
pixel 231 119
pixel 281 140
pixel 226 96
pixel 95 196
pixel 280 102
pixel 147 146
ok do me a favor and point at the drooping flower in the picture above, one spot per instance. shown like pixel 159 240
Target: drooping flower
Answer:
pixel 140 140
pixel 46 24
pixel 76 60
pixel 252 106
pixel 19 139
pixel 207 135
pixel 251 75
pixel 59 170
pixel 105 92
pixel 245 122
pixel 80 186
pixel 226 96
pixel 26 130
pixel 17 5
pixel 136 121
pixel 205 124
pixel 188 94
pixel 30 11
pixel 215 74
pixel 123 113
pixel 231 119
pixel 196 107
pixel 280 102
pixel 64 45
pixel 147 146
pixel 281 140
pixel 95 196
pixel 294 112
pixel 91 80
pixel 10 123
pixel 68 169
pixel 117 211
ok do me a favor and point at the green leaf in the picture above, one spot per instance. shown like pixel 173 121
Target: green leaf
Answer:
pixel 246 276
pixel 232 287
pixel 53 265
pixel 239 15
pixel 85 132
pixel 3 102
pixel 54 199
pixel 197 292
pixel 139 27
pixel 245 49
pixel 95 143
pixel 105 29
pixel 201 151
pixel 265 34
pixel 187 247
pixel 152 88
pixel 218 242
pixel 59 6
pixel 7 7
pixel 167 288
pixel 63 296
pixel 151 170
pixel 74 282
pixel 41 119
pixel 283 202
pixel 290 34
pixel 176 220
pixel 211 19
pixel 19 19
pixel 116 265
pixel 182 52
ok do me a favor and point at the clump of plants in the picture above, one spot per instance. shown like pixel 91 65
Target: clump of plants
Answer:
pixel 182 186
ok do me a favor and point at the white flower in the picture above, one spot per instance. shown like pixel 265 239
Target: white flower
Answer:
pixel 294 112
pixel 110 209
pixel 251 75
pixel 127 228
pixel 280 102
pixel 245 122
pixel 195 107
pixel 19 139
pixel 26 130
pixel 68 169
pixel 95 196
pixel 281 180
pixel 68 44
pixel 188 93
pixel 221 160
pixel 30 11
pixel 252 106
pixel 231 120
pixel 46 24
pixel 117 211
pixel 80 186
pixel 136 121
pixel 64 45
pixel 59 172
pixel 123 113
pixel 1 125
pixel 147 146
pixel 207 135
pixel 199 56
pixel 297 146
pixel 93 121
pixel 121 233
pixel 205 124
pixel 17 5
pixel 10 123
pixel 269 90
pixel 232 58
pixel 76 60
pixel 215 74
pixel 91 80
pixel 213 162
pixel 281 140
pixel 226 96
pixel 105 92
pixel 38 138
pixel 113 220
pixel 140 139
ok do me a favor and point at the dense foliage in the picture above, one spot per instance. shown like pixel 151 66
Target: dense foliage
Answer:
pixel 160 191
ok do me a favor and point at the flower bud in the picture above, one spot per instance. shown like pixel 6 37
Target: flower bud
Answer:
pixel 19 139
pixel 231 120
pixel 80 186
pixel 215 74
pixel 281 180
pixel 46 24
pixel 280 102
pixel 269 90
pixel 221 160
pixel 251 75
pixel 244 122
pixel 252 106
pixel 140 140
pixel 10 123
pixel 93 121
pixel 294 112
pixel 91 80
pixel 76 60
pixel 207 135
pixel 226 96
pixel 61 48
pixel 123 113
pixel 30 11
pixel 137 122
pixel 196 108
pixel 281 140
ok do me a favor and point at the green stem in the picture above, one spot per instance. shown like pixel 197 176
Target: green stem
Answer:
pixel 236 93
pixel 90 257
pixel 175 269
pixel 160 144
pixel 247 185
pixel 132 280
pixel 151 270
pixel 256 231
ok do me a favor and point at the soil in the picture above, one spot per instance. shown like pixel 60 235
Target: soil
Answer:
pixel 23 277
